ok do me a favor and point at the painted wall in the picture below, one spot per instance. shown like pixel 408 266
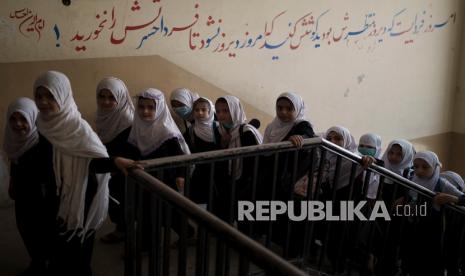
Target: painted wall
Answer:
pixel 381 66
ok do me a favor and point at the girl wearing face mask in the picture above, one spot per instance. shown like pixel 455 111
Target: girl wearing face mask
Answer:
pixel 115 112
pixel 34 197
pixel 340 190
pixel 233 132
pixel 370 144
pixel 430 228
pixel 182 100
pixel 201 138
pixel 78 166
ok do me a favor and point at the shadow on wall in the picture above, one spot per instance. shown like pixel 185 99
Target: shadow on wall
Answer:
pixel 137 72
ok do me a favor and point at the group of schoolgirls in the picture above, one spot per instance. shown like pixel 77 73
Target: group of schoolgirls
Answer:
pixel 63 173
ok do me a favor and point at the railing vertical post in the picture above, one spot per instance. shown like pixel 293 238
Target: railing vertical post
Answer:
pixel 182 242
pixel 344 228
pixel 334 192
pixel 290 195
pixel 273 195
pixel 130 244
pixel 308 232
pixel 141 224
pixel 155 219
pixel 201 267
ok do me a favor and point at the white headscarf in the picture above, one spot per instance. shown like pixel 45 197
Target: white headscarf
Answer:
pixel 148 136
pixel 238 118
pixel 455 179
pixel 111 123
pixel 15 144
pixel 75 144
pixel 372 140
pixel 433 161
pixel 277 129
pixel 349 141
pixel 185 96
pixel 203 128
pixel 407 156
pixel 350 145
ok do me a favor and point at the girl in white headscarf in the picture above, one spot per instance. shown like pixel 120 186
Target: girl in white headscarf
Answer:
pixel 80 166
pixel 33 197
pixel 370 144
pixel 201 138
pixel 115 113
pixel 341 190
pixel 182 100
pixel 233 132
pixel 154 133
pixel 430 226
pixel 291 125
pixel 427 168
pixel 341 137
pixel 115 110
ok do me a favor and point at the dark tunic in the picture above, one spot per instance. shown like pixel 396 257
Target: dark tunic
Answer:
pixel 226 197
pixel 73 256
pixel 35 201
pixel 200 179
pixel 118 147
pixel 284 181
pixel 285 186
pixel 170 147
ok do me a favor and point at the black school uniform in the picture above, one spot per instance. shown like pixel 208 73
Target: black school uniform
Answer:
pixel 222 203
pixel 285 186
pixel 118 147
pixel 72 256
pixel 170 147
pixel 35 202
pixel 200 179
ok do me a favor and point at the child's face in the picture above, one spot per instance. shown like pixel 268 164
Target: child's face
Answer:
pixel 201 110
pixel 335 138
pixel 19 124
pixel 422 168
pixel 45 102
pixel 395 155
pixel 105 100
pixel 146 109
pixel 222 112
pixel 285 110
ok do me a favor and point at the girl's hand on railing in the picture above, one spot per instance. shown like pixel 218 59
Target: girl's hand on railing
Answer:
pixel 443 198
pixel 367 161
pixel 125 164
pixel 296 140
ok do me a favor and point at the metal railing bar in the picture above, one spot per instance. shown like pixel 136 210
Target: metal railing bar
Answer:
pixel 235 239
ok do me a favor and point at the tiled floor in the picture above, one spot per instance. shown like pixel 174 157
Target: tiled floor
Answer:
pixel 107 259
